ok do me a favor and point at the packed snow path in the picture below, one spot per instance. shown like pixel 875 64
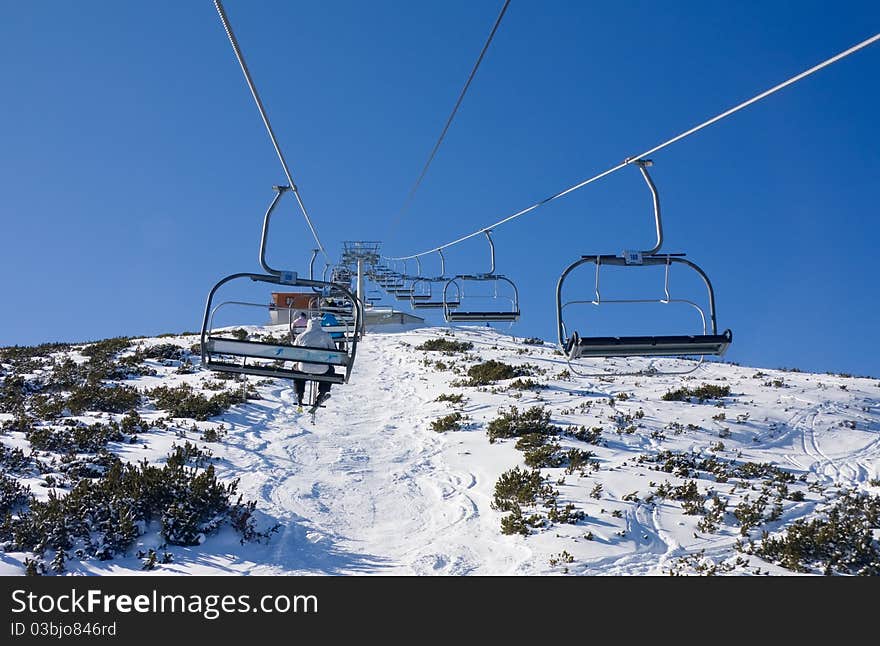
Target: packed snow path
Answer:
pixel 368 487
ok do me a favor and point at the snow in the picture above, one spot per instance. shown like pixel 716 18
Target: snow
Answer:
pixel 369 488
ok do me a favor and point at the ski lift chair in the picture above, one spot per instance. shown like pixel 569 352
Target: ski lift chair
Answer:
pixel 707 341
pixel 225 351
pixel 402 290
pixel 423 290
pixel 455 310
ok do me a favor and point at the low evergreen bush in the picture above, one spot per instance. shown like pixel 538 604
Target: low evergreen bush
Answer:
pixel 700 393
pixel 512 423
pixel 445 346
pixel 488 372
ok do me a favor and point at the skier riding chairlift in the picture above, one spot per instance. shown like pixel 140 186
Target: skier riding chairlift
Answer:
pixel 313 337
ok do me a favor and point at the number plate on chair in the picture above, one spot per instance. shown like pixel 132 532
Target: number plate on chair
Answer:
pixel 632 257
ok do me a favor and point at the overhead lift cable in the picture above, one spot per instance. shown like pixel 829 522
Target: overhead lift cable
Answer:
pixel 648 153
pixel 448 123
pixel 247 75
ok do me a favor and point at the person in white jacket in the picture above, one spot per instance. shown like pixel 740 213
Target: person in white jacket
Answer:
pixel 313 337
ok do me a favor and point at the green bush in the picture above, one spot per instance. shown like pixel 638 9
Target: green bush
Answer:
pixel 14 392
pixel 68 375
pixel 512 423
pixel 589 435
pixel 76 466
pixel 684 464
pixel 212 434
pixel 12 494
pixel 75 438
pixel 188 455
pixel 700 393
pixel 546 456
pixel 750 514
pixel 24 360
pixel 488 372
pixel 578 459
pixel 445 345
pixel 18 352
pixel 450 422
pixel 184 401
pixel 525 384
pixel 103 517
pixel 452 399
pixel 107 347
pixel 567 515
pixel 102 397
pixel 531 441
pixel 519 487
pixel 14 461
pixel 514 523
pixel 841 540
pixel 165 351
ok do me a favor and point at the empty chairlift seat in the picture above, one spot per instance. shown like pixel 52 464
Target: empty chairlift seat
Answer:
pixel 577 346
pixel 458 310
pixel 460 306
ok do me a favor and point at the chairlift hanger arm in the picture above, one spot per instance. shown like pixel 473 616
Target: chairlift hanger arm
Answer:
pixel 488 233
pixel 279 191
pixel 658 223
pixel 312 269
pixel 312 264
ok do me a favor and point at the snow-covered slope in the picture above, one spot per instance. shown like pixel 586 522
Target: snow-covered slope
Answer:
pixel 372 488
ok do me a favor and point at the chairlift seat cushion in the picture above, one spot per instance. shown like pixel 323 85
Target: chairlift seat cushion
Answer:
pixel 424 305
pixel 648 346
pixel 268 370
pixel 458 316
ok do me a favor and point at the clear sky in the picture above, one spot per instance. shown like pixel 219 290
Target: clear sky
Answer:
pixel 134 169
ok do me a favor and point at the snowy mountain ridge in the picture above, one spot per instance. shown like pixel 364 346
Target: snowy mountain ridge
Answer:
pixel 485 456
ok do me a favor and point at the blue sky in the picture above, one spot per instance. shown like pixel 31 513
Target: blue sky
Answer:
pixel 135 169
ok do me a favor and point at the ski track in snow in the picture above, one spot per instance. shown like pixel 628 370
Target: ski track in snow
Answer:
pixel 851 467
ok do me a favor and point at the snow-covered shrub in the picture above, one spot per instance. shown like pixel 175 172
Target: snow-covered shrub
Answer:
pixel 184 401
pixel 840 540
pixel 488 372
pixel 12 494
pixel 451 422
pixel 102 517
pixel 445 346
pixel 74 437
pixel 700 393
pixel 512 423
